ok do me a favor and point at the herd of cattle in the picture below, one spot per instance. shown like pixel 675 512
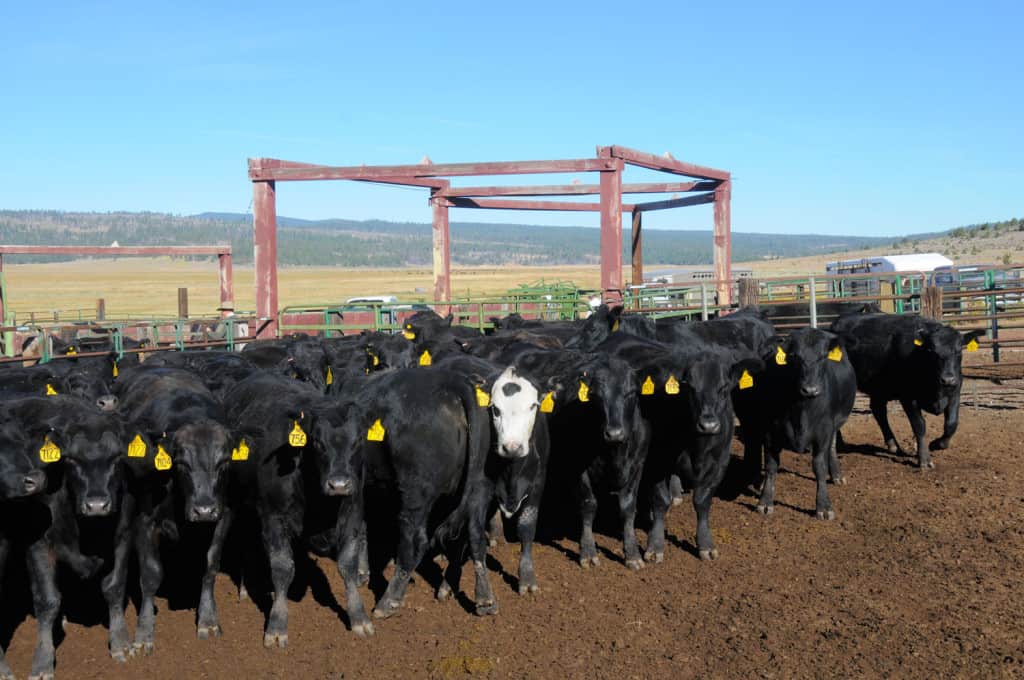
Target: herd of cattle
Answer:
pixel 103 462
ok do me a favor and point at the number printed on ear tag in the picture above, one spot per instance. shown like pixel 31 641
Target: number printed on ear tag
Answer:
pixel 162 461
pixel 50 452
pixel 780 357
pixel 746 380
pixel 297 437
pixel 241 452
pixel 137 447
pixel 671 385
pixel 648 387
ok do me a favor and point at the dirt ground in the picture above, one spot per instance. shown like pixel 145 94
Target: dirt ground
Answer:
pixel 920 576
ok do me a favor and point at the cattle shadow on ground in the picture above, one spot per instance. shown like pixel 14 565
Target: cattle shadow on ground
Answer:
pixel 15 597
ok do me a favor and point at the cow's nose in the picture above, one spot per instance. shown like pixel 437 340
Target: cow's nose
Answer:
pixel 338 486
pixel 947 380
pixel 204 513
pixel 96 507
pixel 614 434
pixel 708 425
pixel 107 402
pixel 810 390
pixel 512 450
pixel 33 482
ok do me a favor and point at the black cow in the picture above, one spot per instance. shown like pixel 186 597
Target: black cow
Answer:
pixel 420 434
pixel 800 401
pixel 685 396
pixel 606 320
pixel 911 360
pixel 192 436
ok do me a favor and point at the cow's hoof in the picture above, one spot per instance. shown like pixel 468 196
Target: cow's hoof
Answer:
pixel 892 447
pixel 708 555
pixel 939 444
pixel 444 592
pixel 930 465
pixel 207 632
pixel 364 629
pixel 677 500
pixel 587 562
pixel 142 648
pixel 528 588
pixel 766 509
pixel 44 675
pixel 825 514
pixel 243 594
pixel 118 655
pixel 839 481
pixel 275 640
pixel 362 578
pixel 653 556
pixel 386 609
pixel 486 608
pixel 635 563
pixel 7 676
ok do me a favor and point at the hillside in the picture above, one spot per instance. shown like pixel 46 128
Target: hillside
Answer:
pixel 379 243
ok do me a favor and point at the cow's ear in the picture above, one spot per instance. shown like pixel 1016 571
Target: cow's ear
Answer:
pixel 770 348
pixel 920 336
pixel 448 319
pixel 749 366
pixel 970 340
pixel 835 348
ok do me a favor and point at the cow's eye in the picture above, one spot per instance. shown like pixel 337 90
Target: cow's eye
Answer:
pixel 497 411
pixel 533 407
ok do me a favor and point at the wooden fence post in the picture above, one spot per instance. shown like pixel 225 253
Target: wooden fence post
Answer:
pixel 750 292
pixel 183 303
pixel 931 302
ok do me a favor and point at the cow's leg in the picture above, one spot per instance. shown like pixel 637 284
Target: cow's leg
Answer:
pixel 588 509
pixel 711 470
pixel 527 527
pixel 452 576
pixel 483 595
pixel 42 572
pixel 412 545
pixel 675 490
pixel 278 543
pixel 951 420
pixel 661 498
pixel 208 624
pixel 627 513
pixel 151 574
pixel 115 583
pixel 820 462
pixel 881 415
pixel 835 470
pixel 351 552
pixel 364 559
pixel 5 549
pixel 766 504
pixel 495 529
pixel 753 445
pixel 916 418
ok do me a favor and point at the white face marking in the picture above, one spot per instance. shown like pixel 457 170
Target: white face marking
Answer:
pixel 513 407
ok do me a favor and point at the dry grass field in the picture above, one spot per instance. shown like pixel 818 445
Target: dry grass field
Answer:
pixel 148 287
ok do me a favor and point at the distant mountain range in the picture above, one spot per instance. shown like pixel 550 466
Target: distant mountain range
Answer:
pixel 379 243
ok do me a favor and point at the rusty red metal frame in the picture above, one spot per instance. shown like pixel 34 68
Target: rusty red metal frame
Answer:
pixel 223 253
pixel 610 162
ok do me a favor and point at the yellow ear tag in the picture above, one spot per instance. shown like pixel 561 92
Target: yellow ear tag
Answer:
pixel 137 447
pixel 408 335
pixel 648 387
pixel 162 461
pixel 115 369
pixel 836 354
pixel 425 358
pixel 615 326
pixel 547 404
pixel 918 342
pixel 671 385
pixel 71 351
pixel 584 393
pixel 330 376
pixel 241 452
pixel 483 400
pixel 746 380
pixel 780 357
pixel 49 390
pixel 972 346
pixel 297 437
pixel 50 452
pixel 376 432
pixel 376 360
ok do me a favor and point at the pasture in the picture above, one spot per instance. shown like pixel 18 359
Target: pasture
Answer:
pixel 918 577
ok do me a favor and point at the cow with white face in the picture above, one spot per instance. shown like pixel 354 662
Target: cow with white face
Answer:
pixel 514 404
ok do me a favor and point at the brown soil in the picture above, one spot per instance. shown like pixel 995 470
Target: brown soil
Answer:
pixel 920 576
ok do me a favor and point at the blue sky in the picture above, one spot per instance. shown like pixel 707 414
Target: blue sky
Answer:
pixel 870 118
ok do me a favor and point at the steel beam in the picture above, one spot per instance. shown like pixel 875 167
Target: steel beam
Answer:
pixel 442 249
pixel 611 234
pixel 227 284
pixel 264 219
pixel 115 250
pixel 638 248
pixel 579 189
pixel 723 243
pixel 649 160
pixel 265 169
pixel 499 204
pixel 699 199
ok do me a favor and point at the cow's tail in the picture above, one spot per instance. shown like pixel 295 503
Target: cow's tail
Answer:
pixel 478 441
